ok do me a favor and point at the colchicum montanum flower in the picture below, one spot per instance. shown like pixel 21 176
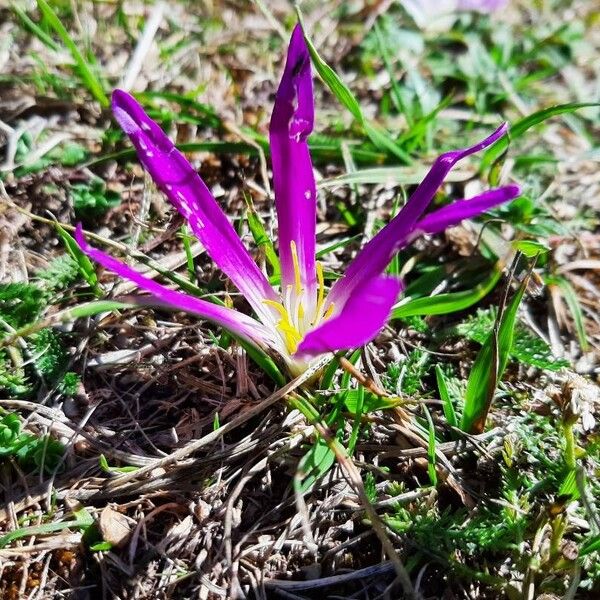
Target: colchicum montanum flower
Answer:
pixel 301 319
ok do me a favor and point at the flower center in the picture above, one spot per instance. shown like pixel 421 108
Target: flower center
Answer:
pixel 294 322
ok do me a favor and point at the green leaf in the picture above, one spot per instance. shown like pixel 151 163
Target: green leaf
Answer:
pixel 568 487
pixel 448 303
pixel 187 247
pixel 104 466
pixel 42 453
pixel 101 547
pixel 315 463
pixel 10 429
pixel 69 384
pixel 207 115
pixel 489 367
pixel 382 140
pixel 407 376
pixel 336 245
pixel 320 149
pixel 396 94
pixel 359 411
pixel 86 268
pixel 520 127
pixel 92 200
pixel 530 248
pixel 357 401
pixel 264 361
pixel 87 76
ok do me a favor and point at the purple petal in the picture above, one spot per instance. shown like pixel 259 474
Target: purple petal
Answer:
pixel 483 6
pixel 379 251
pixel 358 322
pixel 178 180
pixel 293 178
pixel 236 322
pixel 466 209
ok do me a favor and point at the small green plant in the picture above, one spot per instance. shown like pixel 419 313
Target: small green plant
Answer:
pixel 44 354
pixel 69 384
pixel 60 273
pixel 21 303
pixel 527 347
pixel 32 452
pixel 92 200
pixel 406 377
pixel 50 355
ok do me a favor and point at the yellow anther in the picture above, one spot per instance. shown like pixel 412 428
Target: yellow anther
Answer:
pixel 279 308
pixel 296 263
pixel 329 311
pixel 321 289
pixel 291 336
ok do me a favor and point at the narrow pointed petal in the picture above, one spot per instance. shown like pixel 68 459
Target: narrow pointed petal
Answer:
pixel 178 180
pixel 358 322
pixel 379 251
pixel 293 178
pixel 236 322
pixel 456 212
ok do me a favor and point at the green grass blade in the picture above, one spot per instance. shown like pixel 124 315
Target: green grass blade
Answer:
pixel 208 116
pixel 261 238
pixel 396 93
pixel 489 367
pixel 34 28
pixel 447 404
pixel 392 175
pixel 383 141
pixel 336 245
pixel 87 75
pixel 520 127
pixel 187 247
pixel 91 309
pixel 338 88
pixel 83 520
pixel 431 448
pixel 572 301
pixel 320 151
pixel 347 99
pixel 593 545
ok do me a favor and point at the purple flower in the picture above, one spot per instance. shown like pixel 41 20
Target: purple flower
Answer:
pixel 439 15
pixel 299 320
pixel 483 6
